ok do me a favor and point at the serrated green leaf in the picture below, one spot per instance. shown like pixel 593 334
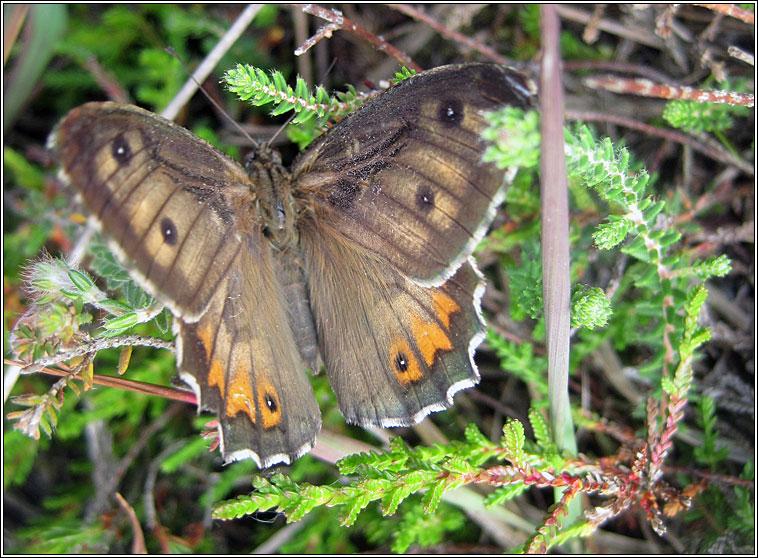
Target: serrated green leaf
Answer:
pixel 432 497
pixel 513 440
pixel 540 429
pixel 350 512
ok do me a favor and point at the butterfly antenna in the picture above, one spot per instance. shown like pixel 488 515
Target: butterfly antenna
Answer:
pixel 279 131
pixel 173 53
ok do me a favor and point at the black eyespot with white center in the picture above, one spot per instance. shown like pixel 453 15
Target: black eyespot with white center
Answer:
pixel 401 362
pixel 450 112
pixel 424 198
pixel 121 150
pixel 168 230
pixel 271 403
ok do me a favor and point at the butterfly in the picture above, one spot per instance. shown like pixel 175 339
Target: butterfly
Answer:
pixel 357 258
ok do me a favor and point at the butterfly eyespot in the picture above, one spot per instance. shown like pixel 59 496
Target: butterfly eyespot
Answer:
pixel 450 112
pixel 424 198
pixel 271 403
pixel 268 404
pixel 401 362
pixel 168 230
pixel 404 363
pixel 121 150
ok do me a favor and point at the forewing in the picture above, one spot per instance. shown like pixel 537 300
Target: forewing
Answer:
pixel 403 177
pixel 163 197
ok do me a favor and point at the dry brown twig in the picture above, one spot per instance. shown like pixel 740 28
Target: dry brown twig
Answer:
pixel 740 54
pixel 120 383
pixel 138 543
pixel 647 88
pixel 338 21
pixel 106 81
pixel 732 11
pixel 422 17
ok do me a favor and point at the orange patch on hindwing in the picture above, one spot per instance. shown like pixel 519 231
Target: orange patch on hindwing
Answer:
pixel 443 307
pixel 268 403
pixel 216 375
pixel 216 370
pixel 241 395
pixel 205 334
pixel 430 337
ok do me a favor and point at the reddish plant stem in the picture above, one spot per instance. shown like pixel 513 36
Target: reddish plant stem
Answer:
pixel 124 383
pixel 732 11
pixel 647 88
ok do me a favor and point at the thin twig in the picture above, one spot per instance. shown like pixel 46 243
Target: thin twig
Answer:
pixel 647 88
pixel 614 66
pixel 731 10
pixel 138 544
pixel 613 27
pixel 285 534
pixel 151 514
pixel 210 62
pixel 95 346
pixel 109 84
pixel 591 32
pixel 740 54
pixel 729 480
pixel 338 21
pixel 422 17
pixel 146 434
pixel 122 383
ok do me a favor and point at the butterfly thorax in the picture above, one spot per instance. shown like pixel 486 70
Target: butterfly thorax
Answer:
pixel 275 206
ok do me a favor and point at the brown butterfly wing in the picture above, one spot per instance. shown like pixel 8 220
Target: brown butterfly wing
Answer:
pixel 161 194
pixel 403 177
pixel 181 216
pixel 241 357
pixel 394 351
pixel 400 197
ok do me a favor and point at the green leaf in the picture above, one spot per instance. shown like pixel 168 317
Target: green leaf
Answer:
pixel 513 441
pixel 122 322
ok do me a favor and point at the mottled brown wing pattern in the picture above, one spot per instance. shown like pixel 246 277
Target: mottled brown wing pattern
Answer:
pixel 243 360
pixel 163 196
pixel 394 351
pixel 399 197
pixel 182 217
pixel 404 177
